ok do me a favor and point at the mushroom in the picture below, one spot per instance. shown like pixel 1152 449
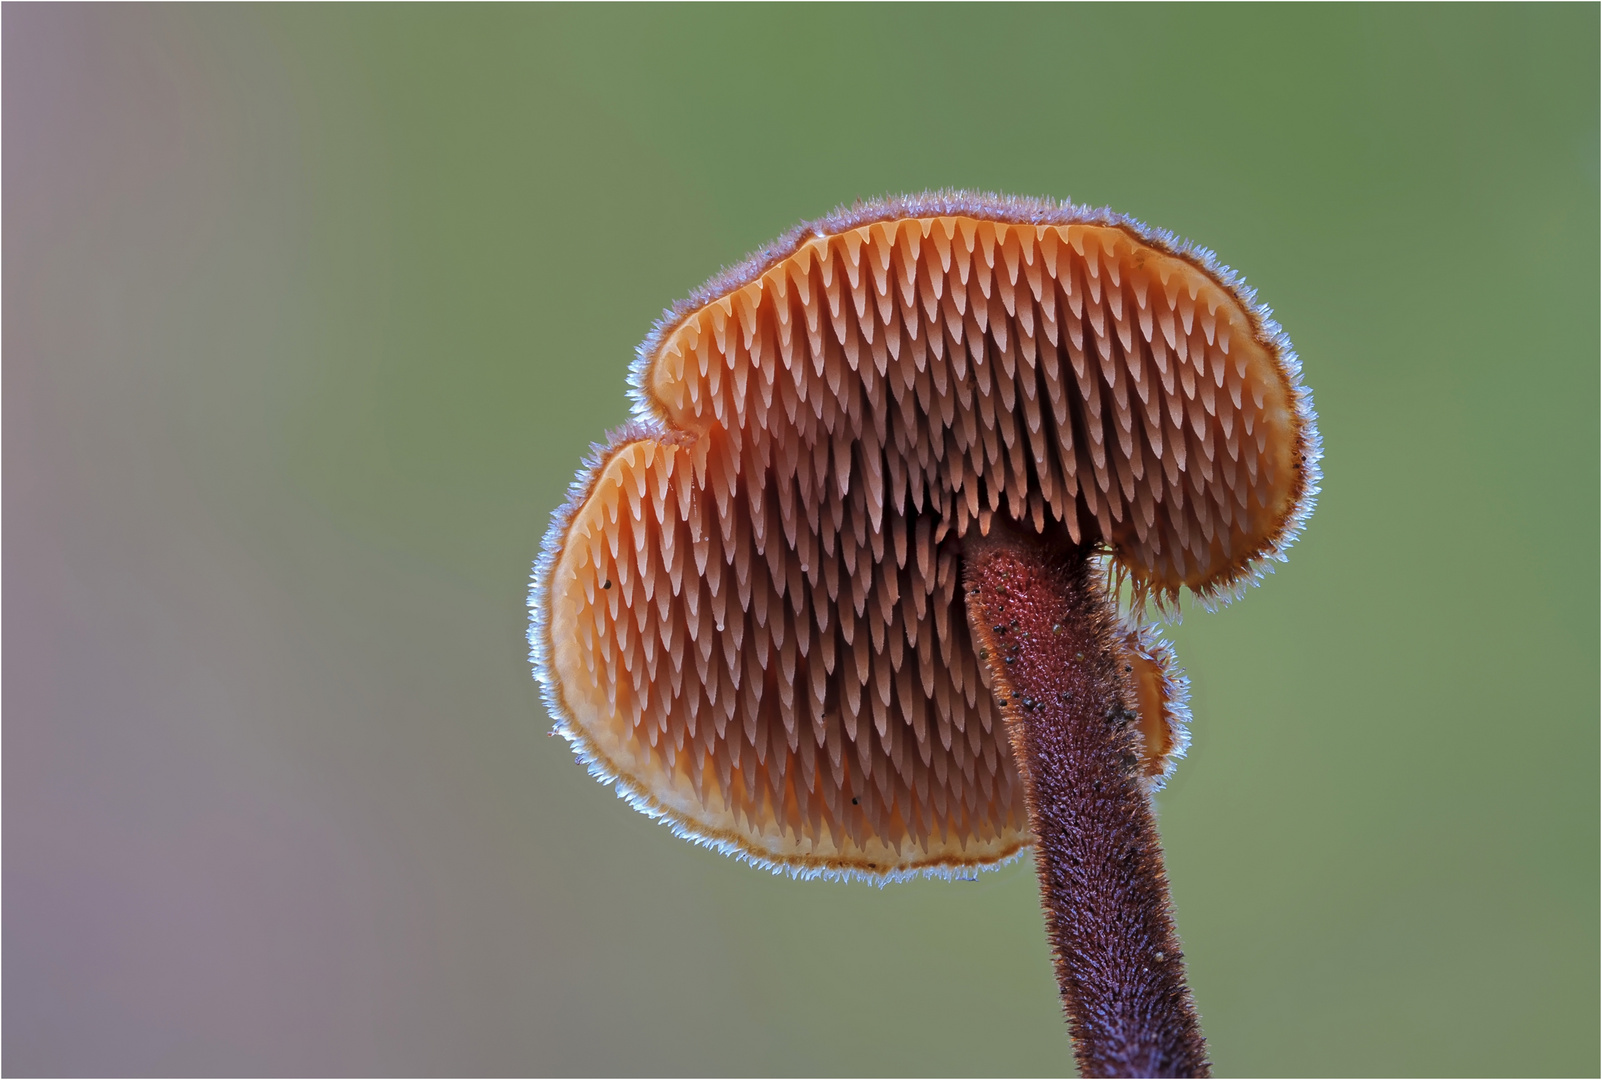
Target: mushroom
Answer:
pixel 842 599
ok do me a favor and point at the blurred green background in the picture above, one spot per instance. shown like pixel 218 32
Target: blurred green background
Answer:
pixel 310 313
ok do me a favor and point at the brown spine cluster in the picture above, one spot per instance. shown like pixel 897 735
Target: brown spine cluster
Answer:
pixel 841 716
pixel 754 620
pixel 1069 373
pixel 1061 668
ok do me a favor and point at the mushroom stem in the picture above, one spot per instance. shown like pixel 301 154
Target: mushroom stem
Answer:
pixel 1048 634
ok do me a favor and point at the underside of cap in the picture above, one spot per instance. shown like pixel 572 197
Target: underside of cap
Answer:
pixel 1043 359
pixel 727 699
pixel 747 613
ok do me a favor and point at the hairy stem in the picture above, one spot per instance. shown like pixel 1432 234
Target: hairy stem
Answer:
pixel 1049 637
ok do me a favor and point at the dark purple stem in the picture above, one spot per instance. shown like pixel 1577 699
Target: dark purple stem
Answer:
pixel 1049 637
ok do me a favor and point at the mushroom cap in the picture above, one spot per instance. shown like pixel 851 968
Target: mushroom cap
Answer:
pixel 1161 700
pixel 748 613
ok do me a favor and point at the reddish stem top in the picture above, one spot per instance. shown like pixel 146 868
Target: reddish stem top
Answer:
pixel 1051 641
